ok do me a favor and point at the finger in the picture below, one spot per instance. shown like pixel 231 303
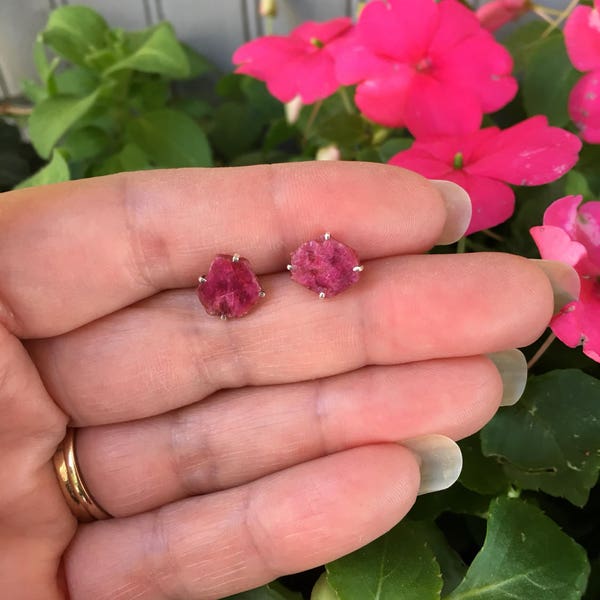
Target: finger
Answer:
pixel 216 545
pixel 239 436
pixel 35 524
pixel 75 251
pixel 165 353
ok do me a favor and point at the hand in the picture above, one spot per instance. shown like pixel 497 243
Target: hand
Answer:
pixel 231 453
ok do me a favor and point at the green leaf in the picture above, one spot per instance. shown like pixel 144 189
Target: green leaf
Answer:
pixel 399 564
pixel 343 129
pixel 75 31
pixel 322 590
pixel 51 119
pixel 171 139
pixel 55 171
pixel 236 130
pixel 577 185
pixel 392 146
pixel 524 41
pixel 271 591
pixel 129 158
pixel 457 499
pixel 159 53
pixel 199 65
pixel 479 473
pixel 44 68
pixel 551 438
pixel 85 143
pixel 548 81
pixel 525 555
pixel 76 81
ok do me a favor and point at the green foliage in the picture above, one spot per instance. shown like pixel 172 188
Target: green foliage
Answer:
pixel 525 555
pixel 55 171
pixel 399 564
pixel 550 440
pixel 272 591
pixel 17 159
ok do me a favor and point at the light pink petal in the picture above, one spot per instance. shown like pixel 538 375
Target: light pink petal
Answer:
pixel 555 244
pixel 355 63
pixel 584 106
pixel 384 100
pixel 579 322
pixel 563 213
pixel 588 233
pixel 419 160
pixel 311 76
pixel 529 153
pixel 480 66
pixel 434 108
pixel 264 56
pixel 582 37
pixel 324 32
pixel 456 23
pixel 399 28
pixel 493 201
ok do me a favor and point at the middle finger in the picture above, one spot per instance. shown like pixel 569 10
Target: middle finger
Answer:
pixel 163 353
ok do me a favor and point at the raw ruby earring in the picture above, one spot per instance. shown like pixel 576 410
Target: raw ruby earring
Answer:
pixel 230 288
pixel 325 266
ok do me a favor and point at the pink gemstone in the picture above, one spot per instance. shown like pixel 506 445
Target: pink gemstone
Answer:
pixel 325 266
pixel 231 288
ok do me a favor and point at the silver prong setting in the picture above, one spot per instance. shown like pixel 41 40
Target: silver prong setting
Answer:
pixel 322 295
pixel 202 279
pixel 235 258
pixel 358 269
pixel 262 294
pixel 223 317
pixel 326 236
pixel 289 267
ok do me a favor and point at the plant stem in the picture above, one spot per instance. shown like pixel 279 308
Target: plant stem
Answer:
pixel 541 350
pixel 560 18
pixel 461 246
pixel 346 100
pixel 311 118
pixel 269 25
pixel 14 111
pixel 493 235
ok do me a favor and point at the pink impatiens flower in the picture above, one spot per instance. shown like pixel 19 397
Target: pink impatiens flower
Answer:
pixel 301 64
pixel 582 37
pixel 426 65
pixel 571 234
pixel 486 161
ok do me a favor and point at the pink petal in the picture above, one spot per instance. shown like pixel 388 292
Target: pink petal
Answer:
pixel 310 76
pixel 529 153
pixel 584 106
pixel 588 222
pixel 582 37
pixel 399 28
pixel 497 13
pixel 493 201
pixel 556 244
pixel 481 67
pixel 419 160
pixel 324 32
pixel 563 213
pixel 355 62
pixel 456 23
pixel 266 55
pixel 436 108
pixel 384 100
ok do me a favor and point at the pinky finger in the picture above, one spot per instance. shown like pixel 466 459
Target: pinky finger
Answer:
pixel 211 546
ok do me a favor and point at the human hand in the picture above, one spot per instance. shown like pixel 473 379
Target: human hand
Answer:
pixel 232 453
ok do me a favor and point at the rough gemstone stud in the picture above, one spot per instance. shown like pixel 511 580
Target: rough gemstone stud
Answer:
pixel 230 288
pixel 325 266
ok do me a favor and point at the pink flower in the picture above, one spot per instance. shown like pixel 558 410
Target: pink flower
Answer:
pixel 582 37
pixel 426 65
pixel 486 161
pixel 572 235
pixel 301 64
pixel 497 13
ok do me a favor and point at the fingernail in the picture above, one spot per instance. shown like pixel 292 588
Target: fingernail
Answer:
pixel 458 210
pixel 564 279
pixel 512 366
pixel 439 459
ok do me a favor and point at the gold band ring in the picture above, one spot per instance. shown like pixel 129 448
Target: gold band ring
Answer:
pixel 80 501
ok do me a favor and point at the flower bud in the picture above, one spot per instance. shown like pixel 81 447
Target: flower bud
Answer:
pixel 292 109
pixel 268 8
pixel 322 590
pixel 330 152
pixel 497 13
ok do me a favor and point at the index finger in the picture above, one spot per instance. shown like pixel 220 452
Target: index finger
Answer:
pixel 73 252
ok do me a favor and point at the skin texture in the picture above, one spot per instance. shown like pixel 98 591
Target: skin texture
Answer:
pixel 232 453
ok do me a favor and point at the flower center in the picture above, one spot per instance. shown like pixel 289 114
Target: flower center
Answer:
pixel 458 160
pixel 424 64
pixel 317 43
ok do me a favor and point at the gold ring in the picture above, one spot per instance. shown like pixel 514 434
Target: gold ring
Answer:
pixel 80 501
